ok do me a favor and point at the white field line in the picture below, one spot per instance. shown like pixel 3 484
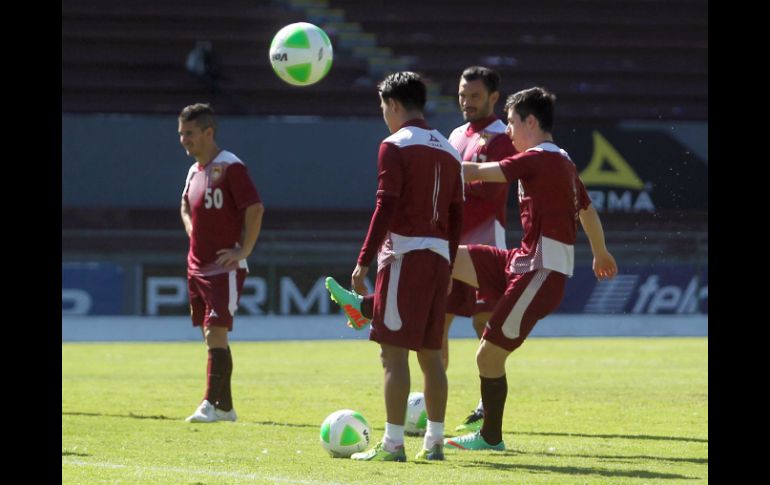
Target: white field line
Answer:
pixel 246 476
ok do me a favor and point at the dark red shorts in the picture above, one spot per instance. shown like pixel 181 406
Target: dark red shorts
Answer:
pixel 523 299
pixel 410 301
pixel 214 299
pixel 467 301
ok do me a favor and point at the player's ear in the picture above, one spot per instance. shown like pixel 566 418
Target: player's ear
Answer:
pixel 493 97
pixel 531 121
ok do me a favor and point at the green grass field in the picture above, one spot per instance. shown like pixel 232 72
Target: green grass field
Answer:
pixel 598 410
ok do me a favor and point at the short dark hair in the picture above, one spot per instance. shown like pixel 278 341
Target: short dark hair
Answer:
pixel 201 113
pixel 490 78
pixel 533 101
pixel 405 87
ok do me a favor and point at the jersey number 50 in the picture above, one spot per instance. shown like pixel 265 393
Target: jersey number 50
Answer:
pixel 216 200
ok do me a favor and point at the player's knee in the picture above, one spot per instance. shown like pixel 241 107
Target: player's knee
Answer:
pixel 490 363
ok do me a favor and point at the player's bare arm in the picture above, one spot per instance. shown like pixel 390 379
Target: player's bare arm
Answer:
pixel 604 265
pixel 186 216
pixel 252 224
pixel 485 172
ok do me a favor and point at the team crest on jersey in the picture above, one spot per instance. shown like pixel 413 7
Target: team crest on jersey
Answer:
pixel 216 172
pixel 483 139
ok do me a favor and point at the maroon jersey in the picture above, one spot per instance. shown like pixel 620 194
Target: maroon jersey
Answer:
pixel 485 202
pixel 419 196
pixel 550 196
pixel 218 194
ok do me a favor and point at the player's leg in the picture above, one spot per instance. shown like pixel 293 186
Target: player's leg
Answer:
pixel 448 318
pixel 528 298
pixel 395 362
pixel 480 322
pixel 394 354
pixel 460 301
pixel 475 419
pixel 225 293
pixel 435 389
pixel 480 266
pixel 204 413
pixel 490 359
pixel 431 362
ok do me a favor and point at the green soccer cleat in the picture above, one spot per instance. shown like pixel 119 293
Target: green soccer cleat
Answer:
pixel 472 423
pixel 473 442
pixel 379 453
pixel 436 453
pixel 349 301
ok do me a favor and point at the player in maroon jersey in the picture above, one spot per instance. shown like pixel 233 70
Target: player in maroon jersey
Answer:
pixel 529 280
pixel 222 214
pixel 414 232
pixel 479 140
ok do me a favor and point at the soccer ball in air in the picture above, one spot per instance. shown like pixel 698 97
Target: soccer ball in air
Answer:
pixel 416 417
pixel 301 54
pixel 345 432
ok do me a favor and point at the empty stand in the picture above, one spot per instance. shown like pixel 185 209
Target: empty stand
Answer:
pixel 605 60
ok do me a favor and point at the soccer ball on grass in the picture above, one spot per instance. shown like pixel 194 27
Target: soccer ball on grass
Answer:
pixel 345 432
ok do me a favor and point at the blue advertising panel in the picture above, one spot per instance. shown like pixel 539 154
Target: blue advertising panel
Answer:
pixel 664 289
pixel 91 289
pixel 671 289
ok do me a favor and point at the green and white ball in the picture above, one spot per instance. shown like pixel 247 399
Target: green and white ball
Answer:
pixel 301 54
pixel 345 432
pixel 416 416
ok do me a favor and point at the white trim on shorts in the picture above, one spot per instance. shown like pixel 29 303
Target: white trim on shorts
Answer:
pixel 512 324
pixel 232 289
pixel 392 317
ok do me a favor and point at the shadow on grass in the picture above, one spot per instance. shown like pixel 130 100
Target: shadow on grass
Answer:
pixel 626 458
pixel 167 418
pixel 73 453
pixel 129 415
pixel 288 425
pixel 621 436
pixel 576 470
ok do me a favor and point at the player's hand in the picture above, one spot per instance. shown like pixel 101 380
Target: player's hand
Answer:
pixel 230 257
pixel 604 266
pixel 358 278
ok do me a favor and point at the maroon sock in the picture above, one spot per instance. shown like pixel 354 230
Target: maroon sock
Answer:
pixel 225 401
pixel 367 306
pixel 215 375
pixel 208 394
pixel 493 394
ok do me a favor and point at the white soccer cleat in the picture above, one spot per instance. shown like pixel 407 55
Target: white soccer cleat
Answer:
pixel 225 415
pixel 204 414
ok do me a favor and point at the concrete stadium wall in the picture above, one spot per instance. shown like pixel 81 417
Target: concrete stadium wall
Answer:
pixel 111 160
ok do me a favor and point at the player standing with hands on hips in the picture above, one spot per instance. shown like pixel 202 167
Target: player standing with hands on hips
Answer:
pixel 222 214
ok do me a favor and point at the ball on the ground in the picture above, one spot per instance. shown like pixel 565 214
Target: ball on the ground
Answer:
pixel 416 416
pixel 345 432
pixel 301 54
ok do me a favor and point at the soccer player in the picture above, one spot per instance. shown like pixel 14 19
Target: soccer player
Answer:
pixel 222 214
pixel 479 140
pixel 528 281
pixel 414 232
